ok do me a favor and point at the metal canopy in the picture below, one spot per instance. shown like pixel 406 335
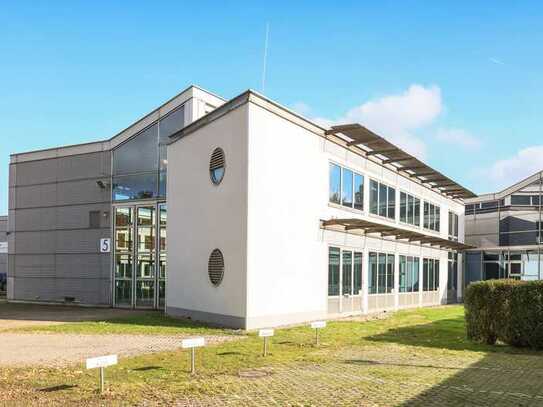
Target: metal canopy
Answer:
pixel 388 153
pixel 368 227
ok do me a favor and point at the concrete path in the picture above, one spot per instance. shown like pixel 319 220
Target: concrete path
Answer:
pixel 57 350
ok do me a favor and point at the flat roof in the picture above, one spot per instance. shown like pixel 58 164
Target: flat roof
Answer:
pixel 400 160
pixel 370 227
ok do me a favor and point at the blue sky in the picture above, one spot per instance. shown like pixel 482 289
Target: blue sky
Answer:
pixel 443 79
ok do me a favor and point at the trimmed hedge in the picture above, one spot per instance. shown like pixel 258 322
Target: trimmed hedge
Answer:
pixel 510 311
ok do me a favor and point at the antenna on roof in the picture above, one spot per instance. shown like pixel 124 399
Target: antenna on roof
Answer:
pixel 265 57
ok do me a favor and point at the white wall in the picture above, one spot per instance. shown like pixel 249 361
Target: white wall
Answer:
pixel 203 216
pixel 286 259
pixel 288 195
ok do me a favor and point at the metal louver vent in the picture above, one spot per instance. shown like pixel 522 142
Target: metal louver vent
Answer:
pixel 216 165
pixel 215 267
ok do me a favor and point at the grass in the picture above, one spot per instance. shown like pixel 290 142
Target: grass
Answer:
pixel 151 323
pixel 412 357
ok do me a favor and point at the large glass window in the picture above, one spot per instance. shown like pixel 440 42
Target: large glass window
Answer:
pixel 452 271
pixel 347 272
pixel 141 186
pixel 381 273
pixel 430 275
pixel 453 226
pixel 358 191
pixel 409 209
pixel 409 274
pixel 140 164
pixel 432 214
pixel 333 270
pixel 382 199
pixel 350 264
pixel 335 183
pixel 346 187
pixel 137 155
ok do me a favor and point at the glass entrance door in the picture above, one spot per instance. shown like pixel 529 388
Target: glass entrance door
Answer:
pixel 140 242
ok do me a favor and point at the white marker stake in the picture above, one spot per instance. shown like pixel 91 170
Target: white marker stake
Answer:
pixel 316 326
pixel 265 333
pixel 101 362
pixel 192 344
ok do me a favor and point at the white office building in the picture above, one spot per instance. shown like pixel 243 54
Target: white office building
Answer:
pixel 238 212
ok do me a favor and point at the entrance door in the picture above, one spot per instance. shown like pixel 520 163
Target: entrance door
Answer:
pixel 344 281
pixel 140 256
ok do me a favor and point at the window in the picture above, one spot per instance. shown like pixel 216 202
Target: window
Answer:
pixel 520 200
pixel 137 155
pixel 382 200
pixel 94 219
pixel 333 270
pixel 453 226
pixel 432 215
pixel 409 274
pixel 335 183
pixel 217 165
pixel 409 209
pixel 430 275
pixel 452 271
pixel 346 187
pixel 141 186
pixel 350 264
pixel 381 273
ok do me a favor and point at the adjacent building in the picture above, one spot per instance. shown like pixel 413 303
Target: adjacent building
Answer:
pixel 505 228
pixel 3 254
pixel 238 212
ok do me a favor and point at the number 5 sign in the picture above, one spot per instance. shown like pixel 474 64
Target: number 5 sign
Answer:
pixel 105 245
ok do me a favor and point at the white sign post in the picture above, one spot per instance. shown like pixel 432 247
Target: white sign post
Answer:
pixel 265 333
pixel 105 245
pixel 316 326
pixel 101 362
pixel 192 344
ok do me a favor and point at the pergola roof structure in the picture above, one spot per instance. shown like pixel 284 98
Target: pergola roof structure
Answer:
pixel 369 227
pixel 388 153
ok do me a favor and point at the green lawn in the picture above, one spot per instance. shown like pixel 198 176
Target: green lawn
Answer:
pixel 417 357
pixel 151 323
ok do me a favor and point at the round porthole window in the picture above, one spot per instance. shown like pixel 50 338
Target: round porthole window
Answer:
pixel 217 166
pixel 215 267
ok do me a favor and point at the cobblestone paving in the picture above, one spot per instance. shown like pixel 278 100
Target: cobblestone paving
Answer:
pixel 394 378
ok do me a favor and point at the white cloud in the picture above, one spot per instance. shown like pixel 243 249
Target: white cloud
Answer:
pixel 506 172
pixel 459 137
pixel 396 117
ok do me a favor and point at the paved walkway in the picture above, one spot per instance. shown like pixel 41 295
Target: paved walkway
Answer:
pixel 394 378
pixel 57 350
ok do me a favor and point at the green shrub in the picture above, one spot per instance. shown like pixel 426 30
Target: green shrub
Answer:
pixel 507 310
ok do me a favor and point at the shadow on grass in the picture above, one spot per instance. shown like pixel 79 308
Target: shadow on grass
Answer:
pixel 146 368
pixel 443 334
pixel 501 376
pixel 58 388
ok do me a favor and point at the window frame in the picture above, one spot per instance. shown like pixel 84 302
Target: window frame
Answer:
pixel 432 219
pixel 387 208
pixel 354 253
pixel 414 209
pixel 409 274
pixel 430 278
pixel 354 205
pixel 382 274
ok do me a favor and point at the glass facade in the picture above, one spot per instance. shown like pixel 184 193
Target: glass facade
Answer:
pixel 382 200
pixel 346 264
pixel 380 273
pixel 346 187
pixel 140 241
pixel 140 164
